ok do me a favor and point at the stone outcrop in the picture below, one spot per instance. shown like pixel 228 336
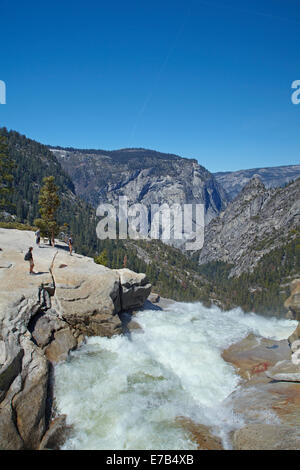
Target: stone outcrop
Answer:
pixel 201 434
pixel 267 437
pixel 42 318
pixel 252 356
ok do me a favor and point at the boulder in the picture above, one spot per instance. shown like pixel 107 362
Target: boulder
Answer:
pixel 252 356
pixel 201 434
pixel 11 368
pixel 44 327
pixel 134 288
pixel 63 342
pixel 284 370
pixel 267 437
pixel 29 405
pixel 56 435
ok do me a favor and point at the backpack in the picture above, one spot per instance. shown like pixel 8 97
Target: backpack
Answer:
pixel 27 256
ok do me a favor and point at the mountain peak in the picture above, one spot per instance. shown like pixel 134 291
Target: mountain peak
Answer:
pixel 254 183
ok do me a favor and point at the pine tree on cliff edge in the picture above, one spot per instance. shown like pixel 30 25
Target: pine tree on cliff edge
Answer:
pixel 49 202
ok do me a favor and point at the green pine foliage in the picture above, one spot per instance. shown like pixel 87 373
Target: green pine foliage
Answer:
pixel 49 202
pixel 263 290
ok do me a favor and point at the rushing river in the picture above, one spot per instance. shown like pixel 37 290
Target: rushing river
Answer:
pixel 126 394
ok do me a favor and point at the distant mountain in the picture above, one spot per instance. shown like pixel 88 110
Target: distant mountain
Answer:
pixel 273 177
pixel 254 223
pixel 144 176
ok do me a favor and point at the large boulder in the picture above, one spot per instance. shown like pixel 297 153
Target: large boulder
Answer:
pixel 63 342
pixel 267 437
pixel 253 355
pixel 56 435
pixel 29 404
pixel 135 288
pixel 201 434
pixel 284 370
pixel 11 367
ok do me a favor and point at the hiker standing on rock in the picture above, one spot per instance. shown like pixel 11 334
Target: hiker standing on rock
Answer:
pixel 29 257
pixel 70 242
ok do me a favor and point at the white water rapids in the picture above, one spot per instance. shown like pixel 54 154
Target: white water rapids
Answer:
pixel 122 394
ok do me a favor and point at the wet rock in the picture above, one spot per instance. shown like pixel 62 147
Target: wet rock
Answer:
pixel 56 435
pixel 254 355
pixel 201 434
pixel 267 437
pixel 284 370
pixel 63 342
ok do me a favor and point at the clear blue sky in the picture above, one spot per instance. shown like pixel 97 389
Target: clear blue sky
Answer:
pixel 204 79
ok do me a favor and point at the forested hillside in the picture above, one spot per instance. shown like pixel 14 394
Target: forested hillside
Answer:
pixel 173 273
pixel 33 161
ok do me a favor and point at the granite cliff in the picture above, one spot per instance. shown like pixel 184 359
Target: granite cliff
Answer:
pixel 42 318
pixel 256 222
pixel 144 176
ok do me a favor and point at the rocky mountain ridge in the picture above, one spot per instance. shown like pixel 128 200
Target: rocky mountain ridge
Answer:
pixel 144 176
pixel 272 177
pixel 256 222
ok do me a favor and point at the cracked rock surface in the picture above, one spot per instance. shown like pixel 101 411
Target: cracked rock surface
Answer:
pixel 42 318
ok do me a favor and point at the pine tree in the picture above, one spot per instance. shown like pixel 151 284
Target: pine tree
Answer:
pixel 102 258
pixel 49 202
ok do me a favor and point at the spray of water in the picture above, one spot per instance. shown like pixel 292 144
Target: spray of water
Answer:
pixel 122 394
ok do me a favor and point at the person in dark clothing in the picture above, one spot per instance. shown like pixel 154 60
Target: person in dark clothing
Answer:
pixel 70 242
pixel 29 257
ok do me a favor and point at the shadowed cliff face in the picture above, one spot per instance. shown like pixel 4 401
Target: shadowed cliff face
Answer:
pixel 143 176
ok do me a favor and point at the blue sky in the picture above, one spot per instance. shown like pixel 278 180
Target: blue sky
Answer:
pixel 204 79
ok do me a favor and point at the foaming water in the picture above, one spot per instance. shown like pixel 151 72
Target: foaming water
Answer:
pixel 121 394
